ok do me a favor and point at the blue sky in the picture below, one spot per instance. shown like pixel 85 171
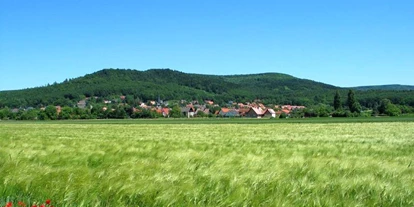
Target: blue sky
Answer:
pixel 343 43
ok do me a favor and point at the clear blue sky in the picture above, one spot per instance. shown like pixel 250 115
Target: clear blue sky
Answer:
pixel 344 43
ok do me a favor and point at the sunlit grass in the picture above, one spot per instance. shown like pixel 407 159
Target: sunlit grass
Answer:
pixel 284 164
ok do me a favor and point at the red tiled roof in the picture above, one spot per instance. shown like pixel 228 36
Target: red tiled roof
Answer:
pixel 225 110
pixel 258 111
pixel 166 110
pixel 285 111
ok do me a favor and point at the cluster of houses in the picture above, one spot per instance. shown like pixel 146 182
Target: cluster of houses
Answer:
pixel 194 109
pixel 251 110
pixel 208 108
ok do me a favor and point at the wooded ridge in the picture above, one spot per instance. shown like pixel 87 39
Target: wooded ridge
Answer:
pixel 167 84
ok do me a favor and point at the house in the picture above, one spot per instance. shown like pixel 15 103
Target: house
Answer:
pixel 223 111
pixel 243 111
pixel 188 111
pixel 232 113
pixel 298 107
pixel 288 107
pixel 255 112
pixel 206 111
pixel 81 104
pixel 269 113
pixel 284 111
pixel 262 106
pixel 58 109
pixel 226 112
pixel 165 112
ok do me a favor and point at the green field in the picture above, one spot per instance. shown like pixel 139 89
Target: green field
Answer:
pixel 269 163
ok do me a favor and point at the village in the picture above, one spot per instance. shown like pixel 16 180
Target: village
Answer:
pixel 207 109
pixel 249 110
pixel 121 108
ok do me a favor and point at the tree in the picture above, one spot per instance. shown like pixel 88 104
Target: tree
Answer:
pixel 31 114
pixel 352 103
pixel 66 113
pixel 4 113
pixel 201 114
pixel 388 108
pixel 337 101
pixel 51 112
pixel 42 115
pixel 175 112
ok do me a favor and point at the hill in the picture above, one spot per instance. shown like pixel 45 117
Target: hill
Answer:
pixel 175 85
pixel 385 87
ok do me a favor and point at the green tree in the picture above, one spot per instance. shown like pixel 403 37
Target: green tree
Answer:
pixel 175 112
pixel 388 108
pixel 30 114
pixel 352 103
pixel 337 101
pixel 4 113
pixel 66 113
pixel 51 112
pixel 42 115
pixel 120 112
pixel 323 110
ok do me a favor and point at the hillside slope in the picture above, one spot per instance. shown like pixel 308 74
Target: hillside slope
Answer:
pixel 174 85
pixel 385 87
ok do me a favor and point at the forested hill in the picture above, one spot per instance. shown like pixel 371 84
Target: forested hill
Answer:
pixel 386 87
pixel 174 85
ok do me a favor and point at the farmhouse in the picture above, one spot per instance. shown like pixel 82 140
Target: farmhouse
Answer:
pixel 81 104
pixel 269 113
pixel 188 111
pixel 165 112
pixel 225 112
pixel 284 111
pixel 255 112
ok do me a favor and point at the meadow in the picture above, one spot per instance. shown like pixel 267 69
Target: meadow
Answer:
pixel 207 164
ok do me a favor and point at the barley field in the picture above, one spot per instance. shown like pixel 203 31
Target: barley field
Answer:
pixel 280 164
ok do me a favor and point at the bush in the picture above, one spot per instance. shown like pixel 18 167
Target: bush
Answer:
pixel 339 113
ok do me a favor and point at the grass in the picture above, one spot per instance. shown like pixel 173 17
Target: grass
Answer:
pixel 207 164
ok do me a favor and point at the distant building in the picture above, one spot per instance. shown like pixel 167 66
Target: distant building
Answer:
pixel 81 104
pixel 165 112
pixel 188 111
pixel 255 113
pixel 58 109
pixel 269 113
pixel 226 112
